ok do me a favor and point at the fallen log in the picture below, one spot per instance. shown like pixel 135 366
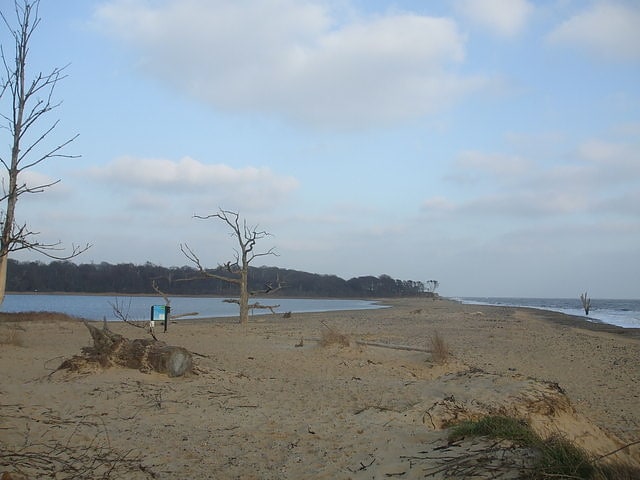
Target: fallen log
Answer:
pixel 392 346
pixel 145 354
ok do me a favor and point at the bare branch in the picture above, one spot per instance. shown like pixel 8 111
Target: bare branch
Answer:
pixel 203 272
pixel 253 306
pixel 269 288
pixel 271 251
pixel 53 153
pixel 121 314
pixel 20 239
pixel 166 299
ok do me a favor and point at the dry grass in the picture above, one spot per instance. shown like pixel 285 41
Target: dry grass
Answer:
pixel 12 335
pixel 11 324
pixel 331 336
pixel 439 349
pixel 556 458
pixel 45 317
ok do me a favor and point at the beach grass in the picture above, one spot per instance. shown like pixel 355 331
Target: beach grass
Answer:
pixel 439 349
pixel 498 427
pixel 331 336
pixel 555 456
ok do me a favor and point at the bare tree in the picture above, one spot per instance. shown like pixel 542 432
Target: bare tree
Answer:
pixel 586 302
pixel 27 102
pixel 236 271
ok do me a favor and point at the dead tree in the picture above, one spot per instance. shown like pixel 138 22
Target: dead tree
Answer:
pixel 236 271
pixel 145 354
pixel 586 302
pixel 25 100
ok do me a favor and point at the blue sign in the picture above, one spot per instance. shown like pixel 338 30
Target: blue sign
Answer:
pixel 160 313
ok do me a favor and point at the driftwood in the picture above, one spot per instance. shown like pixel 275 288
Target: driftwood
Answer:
pixel 146 354
pixel 392 346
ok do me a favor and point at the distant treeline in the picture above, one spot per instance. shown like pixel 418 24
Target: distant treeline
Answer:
pixel 127 278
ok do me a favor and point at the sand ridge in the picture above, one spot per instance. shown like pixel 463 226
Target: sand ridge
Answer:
pixel 261 407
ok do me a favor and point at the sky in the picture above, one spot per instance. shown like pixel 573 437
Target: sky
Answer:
pixel 492 145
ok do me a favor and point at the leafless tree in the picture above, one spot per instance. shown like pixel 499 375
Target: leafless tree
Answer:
pixel 586 302
pixel 24 102
pixel 236 271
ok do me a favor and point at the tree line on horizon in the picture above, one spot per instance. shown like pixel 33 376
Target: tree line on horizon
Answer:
pixel 127 278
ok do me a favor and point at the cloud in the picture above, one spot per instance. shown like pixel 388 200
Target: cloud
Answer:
pixel 597 177
pixel 606 29
pixel 151 181
pixel 498 165
pixel 297 59
pixel 502 17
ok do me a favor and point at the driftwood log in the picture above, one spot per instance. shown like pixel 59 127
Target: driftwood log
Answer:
pixel 145 354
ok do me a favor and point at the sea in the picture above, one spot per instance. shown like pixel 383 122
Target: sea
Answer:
pixel 99 307
pixel 623 313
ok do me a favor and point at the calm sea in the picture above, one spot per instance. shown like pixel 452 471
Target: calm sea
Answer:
pixel 623 313
pixel 97 307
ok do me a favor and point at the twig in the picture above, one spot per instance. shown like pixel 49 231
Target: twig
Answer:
pixel 124 316
pixel 618 449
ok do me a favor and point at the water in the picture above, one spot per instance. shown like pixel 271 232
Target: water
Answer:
pixel 97 307
pixel 623 313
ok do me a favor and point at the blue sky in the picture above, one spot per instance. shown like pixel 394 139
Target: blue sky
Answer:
pixel 492 145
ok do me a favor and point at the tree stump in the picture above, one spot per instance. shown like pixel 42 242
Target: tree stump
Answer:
pixel 143 354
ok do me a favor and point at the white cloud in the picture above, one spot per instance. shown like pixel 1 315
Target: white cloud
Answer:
pixel 607 29
pixel 295 59
pixel 476 168
pixel 502 17
pixel 437 205
pixel 496 164
pixel 150 181
pixel 597 177
pixel 628 129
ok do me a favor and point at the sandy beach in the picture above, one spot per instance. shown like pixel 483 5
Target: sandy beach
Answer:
pixel 269 402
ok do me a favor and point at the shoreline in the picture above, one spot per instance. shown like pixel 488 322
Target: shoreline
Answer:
pixel 623 313
pixel 566 319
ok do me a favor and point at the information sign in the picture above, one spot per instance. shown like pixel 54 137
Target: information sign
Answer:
pixel 160 313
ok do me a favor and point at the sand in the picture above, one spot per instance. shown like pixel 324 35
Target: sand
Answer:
pixel 269 402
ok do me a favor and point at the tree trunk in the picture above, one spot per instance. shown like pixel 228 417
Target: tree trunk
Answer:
pixel 4 260
pixel 244 295
pixel 142 354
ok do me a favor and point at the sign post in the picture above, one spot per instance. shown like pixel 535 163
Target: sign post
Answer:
pixel 160 313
